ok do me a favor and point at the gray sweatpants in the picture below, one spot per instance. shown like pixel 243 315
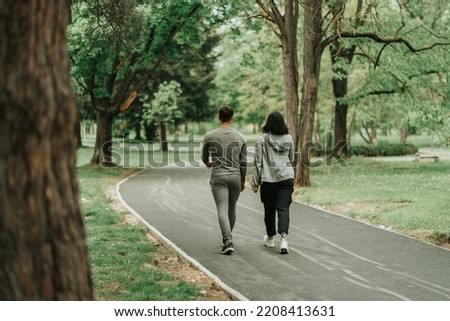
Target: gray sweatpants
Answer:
pixel 226 190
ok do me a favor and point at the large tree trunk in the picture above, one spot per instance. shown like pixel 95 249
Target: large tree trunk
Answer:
pixel 103 140
pixel 312 50
pixel 287 25
pixel 290 66
pixel 43 254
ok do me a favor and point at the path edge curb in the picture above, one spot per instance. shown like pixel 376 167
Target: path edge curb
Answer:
pixel 236 296
pixel 325 211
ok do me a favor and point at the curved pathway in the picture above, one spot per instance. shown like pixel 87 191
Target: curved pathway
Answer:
pixel 331 257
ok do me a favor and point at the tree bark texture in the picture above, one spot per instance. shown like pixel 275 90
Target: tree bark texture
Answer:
pixel 340 114
pixel 164 145
pixel 43 255
pixel 351 127
pixel 287 25
pixel 290 66
pixel 78 131
pixel 338 52
pixel 403 135
pixel 103 140
pixel 312 53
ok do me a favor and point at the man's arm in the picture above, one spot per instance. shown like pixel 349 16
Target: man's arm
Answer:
pixel 243 164
pixel 205 153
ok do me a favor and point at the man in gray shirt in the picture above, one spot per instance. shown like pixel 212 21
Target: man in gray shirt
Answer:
pixel 224 151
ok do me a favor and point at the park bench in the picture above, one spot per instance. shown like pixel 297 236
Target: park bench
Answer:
pixel 427 157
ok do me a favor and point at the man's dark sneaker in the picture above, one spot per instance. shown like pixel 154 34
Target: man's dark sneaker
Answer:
pixel 227 249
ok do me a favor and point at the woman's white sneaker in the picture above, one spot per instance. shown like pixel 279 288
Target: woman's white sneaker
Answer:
pixel 269 242
pixel 284 247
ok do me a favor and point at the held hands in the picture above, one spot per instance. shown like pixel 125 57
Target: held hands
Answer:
pixel 255 189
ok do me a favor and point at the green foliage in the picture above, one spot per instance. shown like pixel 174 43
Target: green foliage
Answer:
pixel 163 108
pixel 249 75
pixel 114 45
pixel 97 38
pixel 393 85
pixel 432 117
pixel 194 69
pixel 117 47
pixel 383 149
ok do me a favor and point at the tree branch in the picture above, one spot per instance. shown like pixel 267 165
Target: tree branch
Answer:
pixel 379 39
pixel 265 11
pixel 276 14
pixel 363 137
pixel 166 45
pixel 272 15
pixel 90 85
pixel 386 42
pixel 130 74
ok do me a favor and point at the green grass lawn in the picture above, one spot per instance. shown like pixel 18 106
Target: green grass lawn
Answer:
pixel 121 255
pixel 410 197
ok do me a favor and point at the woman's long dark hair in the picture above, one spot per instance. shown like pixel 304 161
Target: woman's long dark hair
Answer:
pixel 275 124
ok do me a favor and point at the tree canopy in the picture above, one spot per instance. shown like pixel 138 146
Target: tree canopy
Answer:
pixel 387 68
pixel 116 47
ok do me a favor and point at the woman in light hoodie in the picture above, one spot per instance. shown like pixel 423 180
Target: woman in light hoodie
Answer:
pixel 274 175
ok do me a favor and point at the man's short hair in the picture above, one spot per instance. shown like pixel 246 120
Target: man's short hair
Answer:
pixel 225 113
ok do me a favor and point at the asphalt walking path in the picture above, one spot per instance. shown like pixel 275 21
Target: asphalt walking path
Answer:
pixel 332 258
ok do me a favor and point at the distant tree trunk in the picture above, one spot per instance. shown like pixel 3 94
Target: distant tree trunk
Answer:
pixel 103 140
pixel 370 134
pixel 137 128
pixel 403 135
pixel 317 132
pixel 373 134
pixel 312 53
pixel 163 137
pixel 340 114
pixel 79 141
pixel 150 132
pixel 351 127
pixel 339 53
pixel 43 253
